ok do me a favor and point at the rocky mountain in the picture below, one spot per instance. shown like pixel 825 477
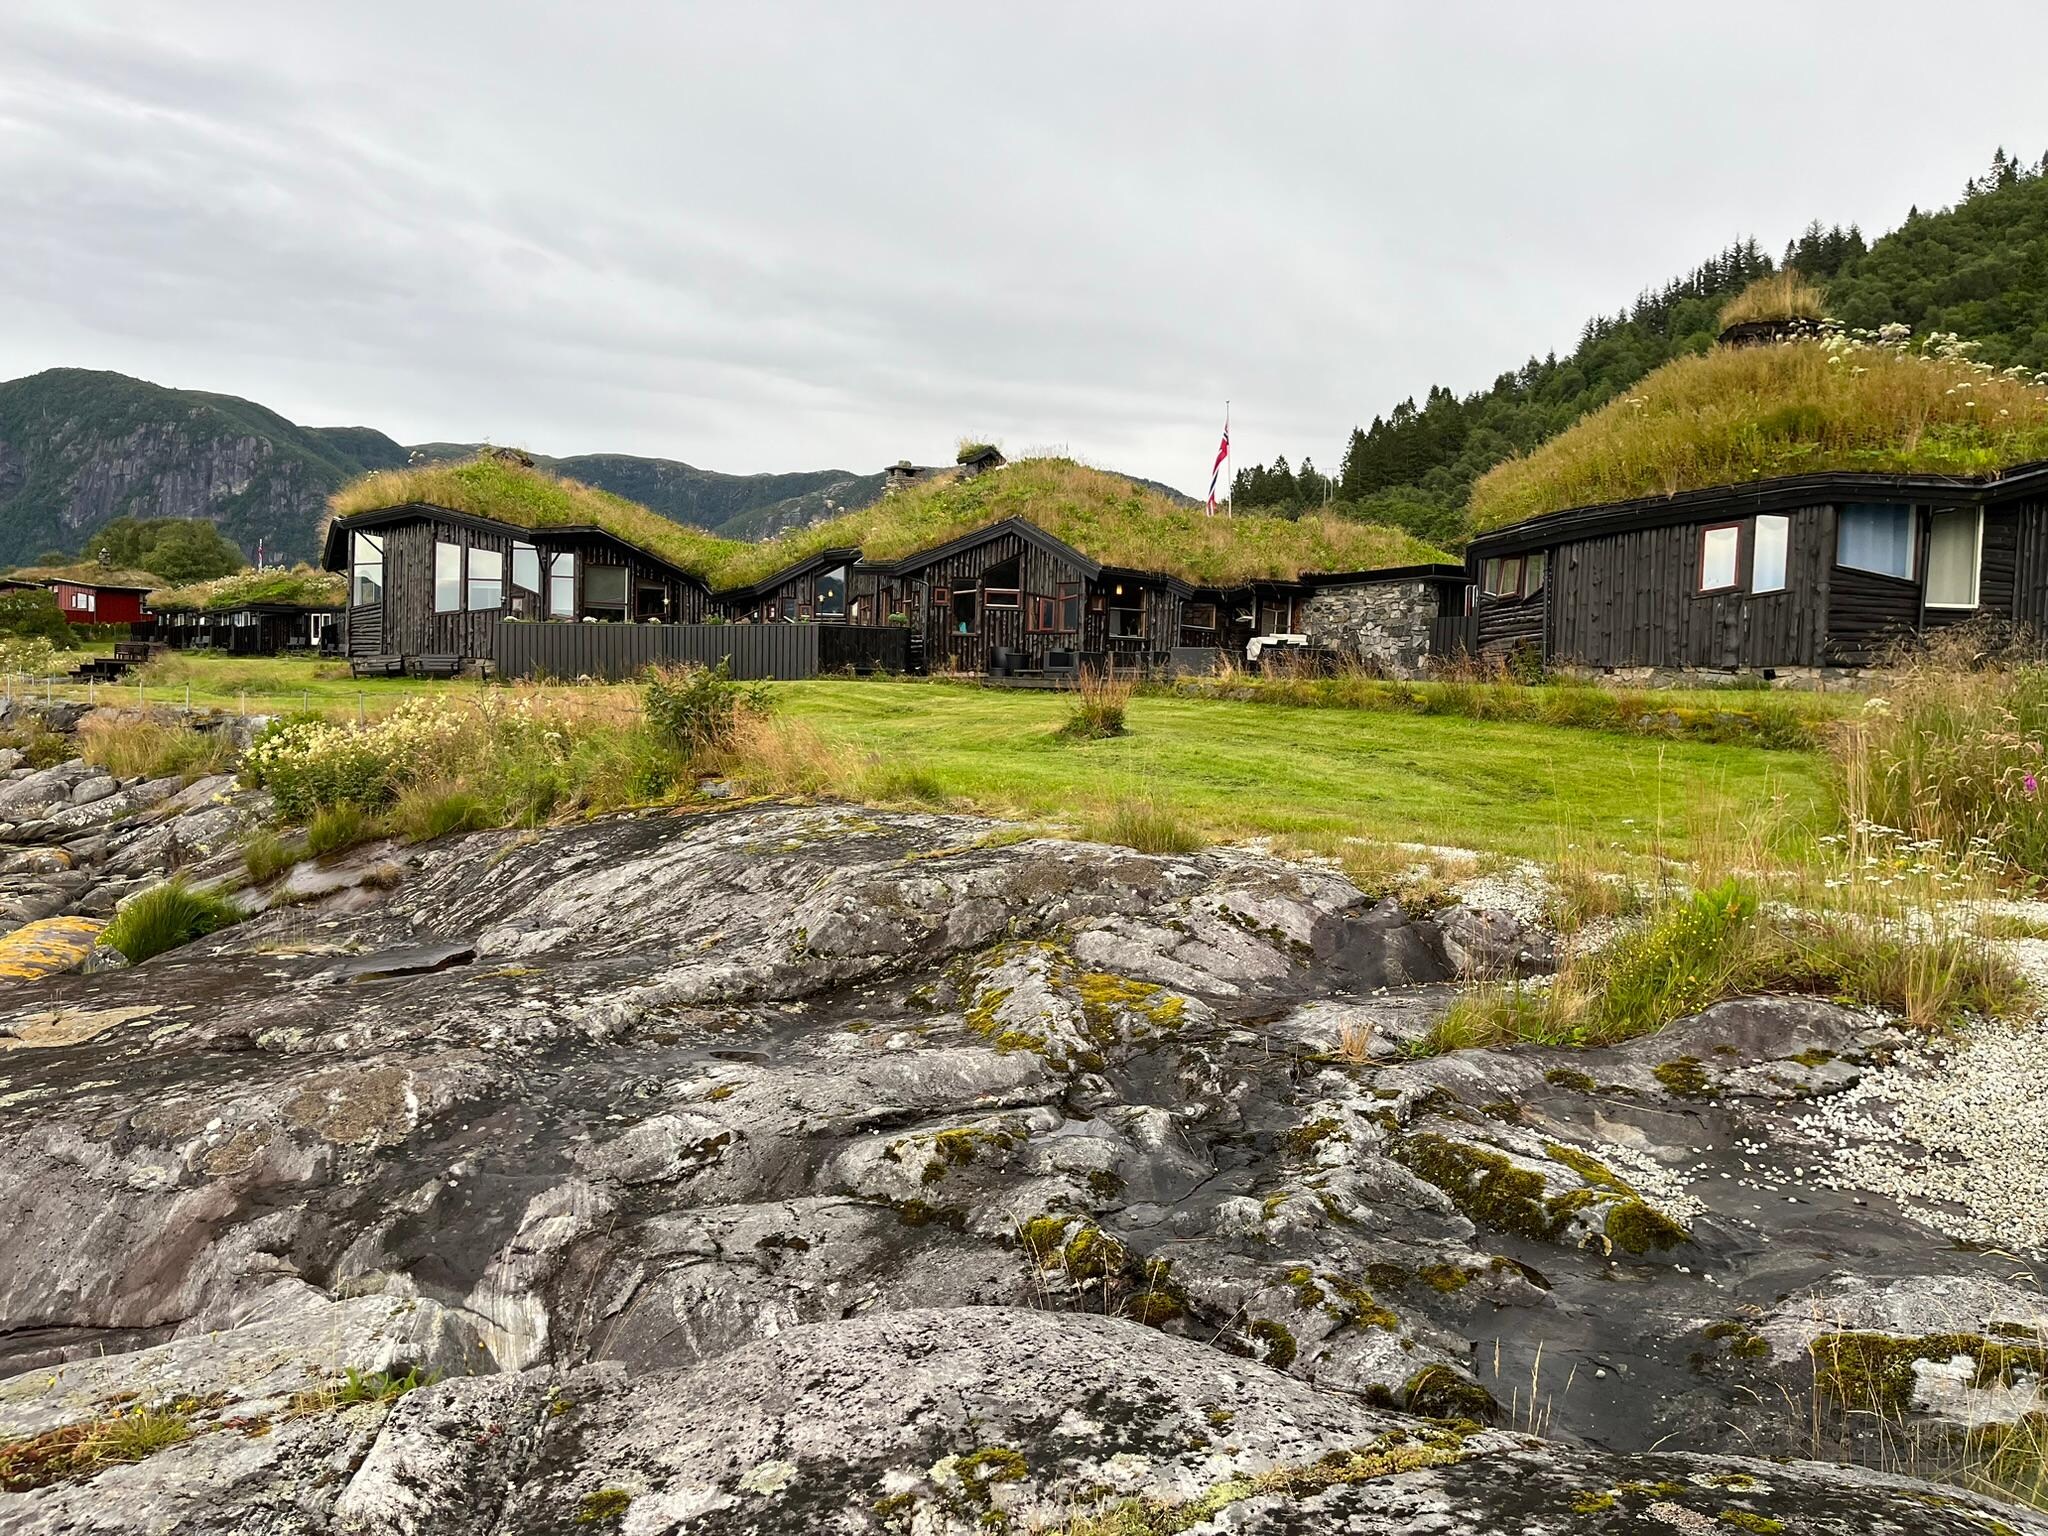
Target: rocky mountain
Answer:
pixel 807 1169
pixel 80 448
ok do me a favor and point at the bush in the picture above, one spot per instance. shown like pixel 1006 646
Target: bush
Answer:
pixel 698 710
pixel 1099 704
pixel 167 915
pixel 33 614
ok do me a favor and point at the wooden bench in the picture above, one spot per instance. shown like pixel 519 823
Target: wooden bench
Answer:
pixel 376 666
pixel 437 666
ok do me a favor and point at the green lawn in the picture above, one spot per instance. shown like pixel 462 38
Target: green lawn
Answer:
pixel 1236 768
pixel 1227 768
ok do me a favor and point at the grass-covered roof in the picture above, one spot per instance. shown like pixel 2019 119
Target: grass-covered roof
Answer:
pixel 1106 517
pixel 1734 414
pixel 300 587
pixel 501 488
pixel 86 573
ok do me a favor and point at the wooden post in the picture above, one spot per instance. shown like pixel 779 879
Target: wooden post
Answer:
pixel 359 707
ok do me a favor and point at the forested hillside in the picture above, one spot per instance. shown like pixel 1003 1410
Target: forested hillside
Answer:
pixel 1979 268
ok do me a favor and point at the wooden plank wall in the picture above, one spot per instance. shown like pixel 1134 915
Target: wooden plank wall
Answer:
pixel 1506 625
pixel 2030 567
pixel 411 627
pixel 618 652
pixel 1632 599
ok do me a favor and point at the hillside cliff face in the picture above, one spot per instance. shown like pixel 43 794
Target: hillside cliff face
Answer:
pixel 80 448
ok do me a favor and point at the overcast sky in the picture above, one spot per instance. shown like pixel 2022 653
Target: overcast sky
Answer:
pixel 768 237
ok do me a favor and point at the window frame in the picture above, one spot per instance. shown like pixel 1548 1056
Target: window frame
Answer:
pixel 513 583
pixel 973 595
pixel 454 580
pixel 1756 545
pixel 1191 616
pixel 471 581
pixel 1912 540
pixel 1976 562
pixel 555 575
pixel 844 576
pixel 1734 581
pixel 623 606
pixel 358 539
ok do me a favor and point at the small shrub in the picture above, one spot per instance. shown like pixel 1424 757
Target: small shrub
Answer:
pixel 337 828
pixel 39 746
pixel 698 710
pixel 167 915
pixel 1101 698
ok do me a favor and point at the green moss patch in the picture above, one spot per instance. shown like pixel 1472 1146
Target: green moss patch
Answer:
pixel 1873 1372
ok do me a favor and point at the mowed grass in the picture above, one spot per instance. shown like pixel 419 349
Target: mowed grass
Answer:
pixel 1231 769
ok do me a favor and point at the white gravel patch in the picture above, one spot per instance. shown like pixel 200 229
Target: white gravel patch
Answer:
pixel 1957 1132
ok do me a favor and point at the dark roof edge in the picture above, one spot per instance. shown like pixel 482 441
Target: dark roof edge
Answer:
pixel 333 551
pixel 1751 496
pixel 1435 570
pixel 1022 527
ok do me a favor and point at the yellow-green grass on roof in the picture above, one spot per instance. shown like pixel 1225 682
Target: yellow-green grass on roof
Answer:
pixel 1735 414
pixel 1782 296
pixel 86 573
pixel 300 587
pixel 1108 518
pixel 508 492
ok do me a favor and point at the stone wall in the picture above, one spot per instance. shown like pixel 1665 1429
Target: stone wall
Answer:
pixel 1385 624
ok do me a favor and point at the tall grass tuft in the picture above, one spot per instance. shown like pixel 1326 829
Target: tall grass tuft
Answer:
pixel 1138 822
pixel 1100 700
pixel 1955 753
pixel 143 748
pixel 166 916
pixel 1783 295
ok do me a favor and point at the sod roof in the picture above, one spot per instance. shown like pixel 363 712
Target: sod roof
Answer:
pixel 300 587
pixel 1738 414
pixel 525 497
pixel 1111 520
pixel 87 573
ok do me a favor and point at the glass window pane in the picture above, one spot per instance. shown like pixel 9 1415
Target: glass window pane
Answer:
pixel 447 577
pixel 526 567
pixel 1535 581
pixel 1878 539
pixel 486 579
pixel 604 586
pixel 1718 548
pixel 562 587
pixel 367 559
pixel 1767 561
pixel 832 593
pixel 1954 556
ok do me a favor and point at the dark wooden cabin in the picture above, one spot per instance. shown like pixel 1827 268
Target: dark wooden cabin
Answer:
pixel 249 629
pixel 1013 588
pixel 830 587
pixel 1227 618
pixel 1793 575
pixel 428 581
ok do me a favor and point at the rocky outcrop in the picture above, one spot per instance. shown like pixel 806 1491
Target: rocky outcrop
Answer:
pixel 801 1168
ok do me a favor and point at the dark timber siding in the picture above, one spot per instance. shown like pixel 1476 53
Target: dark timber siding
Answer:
pixel 2030 567
pixel 1632 599
pixel 1506 625
pixel 405 624
pixel 1040 574
pixel 616 652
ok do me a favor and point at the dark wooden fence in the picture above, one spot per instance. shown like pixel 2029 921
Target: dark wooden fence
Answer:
pixel 620 652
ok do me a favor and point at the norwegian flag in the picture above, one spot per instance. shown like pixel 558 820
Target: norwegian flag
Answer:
pixel 1216 470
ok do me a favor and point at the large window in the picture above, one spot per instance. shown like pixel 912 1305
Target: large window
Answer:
pixel 1720 557
pixel 1060 615
pixel 526 569
pixel 366 568
pixel 1955 557
pixel 999 586
pixel 1126 612
pixel 1532 573
pixel 1199 616
pixel 965 611
pixel 604 591
pixel 832 593
pixel 562 587
pixel 486 579
pixel 447 577
pixel 1770 547
pixel 1878 539
pixel 1502 577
